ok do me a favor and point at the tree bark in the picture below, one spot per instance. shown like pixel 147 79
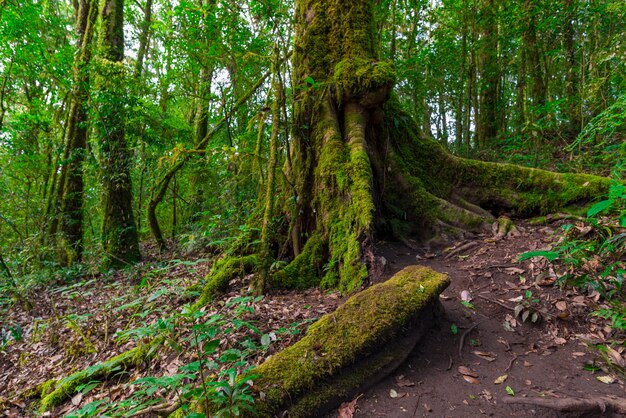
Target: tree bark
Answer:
pixel 70 228
pixel 488 119
pixel 119 232
pixel 144 38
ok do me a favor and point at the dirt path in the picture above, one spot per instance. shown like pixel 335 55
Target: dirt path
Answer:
pixel 540 360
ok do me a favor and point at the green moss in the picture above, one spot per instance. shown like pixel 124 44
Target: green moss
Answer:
pixel 356 329
pixel 453 190
pixel 223 272
pixel 53 393
pixel 305 270
pixel 358 77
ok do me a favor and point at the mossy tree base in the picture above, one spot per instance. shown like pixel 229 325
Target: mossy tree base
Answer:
pixel 359 170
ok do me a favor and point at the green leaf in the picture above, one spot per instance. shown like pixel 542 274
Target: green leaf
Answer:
pixel 599 207
pixel 510 390
pixel 210 347
pixel 265 340
pixel 622 220
pixel 454 329
pixel 309 80
pixel 550 255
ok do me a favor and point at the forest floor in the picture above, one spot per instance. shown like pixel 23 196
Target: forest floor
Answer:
pixel 478 354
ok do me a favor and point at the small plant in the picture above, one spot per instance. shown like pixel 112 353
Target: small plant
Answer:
pixel 527 308
pixel 12 333
pixel 220 376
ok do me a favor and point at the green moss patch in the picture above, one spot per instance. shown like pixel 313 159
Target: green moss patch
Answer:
pixel 357 330
pixel 223 272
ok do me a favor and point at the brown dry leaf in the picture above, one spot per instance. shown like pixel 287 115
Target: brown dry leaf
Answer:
pixel 485 355
pixel 346 410
pixel 466 371
pixel 471 380
pixel 545 280
pixel 403 382
pixel 578 354
pixel 512 271
pixel 561 305
pixel 616 357
pixel 560 341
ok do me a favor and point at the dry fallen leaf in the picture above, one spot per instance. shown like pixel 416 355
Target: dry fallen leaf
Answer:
pixel 77 399
pixel 466 371
pixel 485 355
pixel 471 380
pixel 513 271
pixel 501 379
pixel 393 393
pixel 606 379
pixel 560 341
pixel 616 357
pixel 403 382
pixel 578 354
pixel 527 364
pixel 561 305
pixel 466 296
pixel 346 410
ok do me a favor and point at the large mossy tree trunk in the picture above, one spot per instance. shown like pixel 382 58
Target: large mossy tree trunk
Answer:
pixel 70 231
pixel 119 232
pixel 360 169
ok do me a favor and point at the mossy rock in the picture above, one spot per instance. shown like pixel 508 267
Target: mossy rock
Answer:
pixel 362 341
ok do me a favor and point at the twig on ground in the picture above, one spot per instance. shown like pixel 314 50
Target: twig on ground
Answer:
pixel 465 334
pixel 462 248
pixel 515 357
pixel 497 302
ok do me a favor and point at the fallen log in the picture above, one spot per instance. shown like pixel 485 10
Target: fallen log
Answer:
pixel 348 350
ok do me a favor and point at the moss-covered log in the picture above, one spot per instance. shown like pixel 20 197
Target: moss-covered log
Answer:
pixel 364 339
pixel 55 392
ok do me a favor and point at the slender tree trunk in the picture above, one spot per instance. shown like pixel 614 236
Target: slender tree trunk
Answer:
pixel 144 38
pixel 70 236
pixel 487 121
pixel 538 92
pixel 119 232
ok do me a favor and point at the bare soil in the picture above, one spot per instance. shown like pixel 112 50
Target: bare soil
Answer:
pixel 545 360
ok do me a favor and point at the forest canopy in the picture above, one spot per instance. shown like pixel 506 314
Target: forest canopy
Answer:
pixel 201 147
pixel 539 83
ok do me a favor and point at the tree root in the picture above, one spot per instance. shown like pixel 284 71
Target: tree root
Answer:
pixel 222 273
pixel 363 340
pixel 577 405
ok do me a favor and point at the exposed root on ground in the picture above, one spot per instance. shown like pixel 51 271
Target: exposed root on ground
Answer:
pixel 576 405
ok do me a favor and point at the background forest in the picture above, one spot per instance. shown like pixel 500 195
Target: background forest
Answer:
pixel 534 82
pixel 139 133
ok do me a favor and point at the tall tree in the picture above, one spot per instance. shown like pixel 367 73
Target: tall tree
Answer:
pixel 488 118
pixel 119 232
pixel 360 169
pixel 71 191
